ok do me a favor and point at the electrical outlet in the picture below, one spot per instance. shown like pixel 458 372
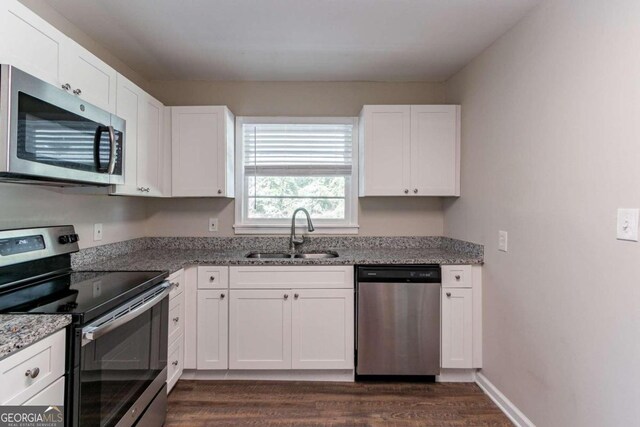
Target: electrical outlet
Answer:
pixel 97 232
pixel 627 228
pixel 502 241
pixel 213 224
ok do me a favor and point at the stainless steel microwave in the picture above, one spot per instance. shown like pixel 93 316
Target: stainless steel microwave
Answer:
pixel 50 136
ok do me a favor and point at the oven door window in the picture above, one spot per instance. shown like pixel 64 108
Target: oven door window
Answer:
pixel 53 136
pixel 118 367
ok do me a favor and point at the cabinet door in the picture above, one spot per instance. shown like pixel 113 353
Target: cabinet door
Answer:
pixel 212 330
pixel 89 77
pixel 52 395
pixel 260 329
pixel 129 101
pixel 175 362
pixel 30 43
pixel 322 329
pixel 199 151
pixel 435 150
pixel 385 145
pixel 457 328
pixel 150 146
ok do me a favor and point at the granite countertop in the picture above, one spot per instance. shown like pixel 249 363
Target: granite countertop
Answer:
pixel 173 259
pixel 21 330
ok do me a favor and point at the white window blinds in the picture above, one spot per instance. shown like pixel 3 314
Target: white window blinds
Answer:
pixel 297 149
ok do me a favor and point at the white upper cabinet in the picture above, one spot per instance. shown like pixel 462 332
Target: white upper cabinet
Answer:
pixel 36 47
pixel 88 77
pixel 202 151
pixel 411 150
pixel 29 43
pixel 143 140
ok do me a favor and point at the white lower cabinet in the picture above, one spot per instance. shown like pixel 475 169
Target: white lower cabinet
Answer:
pixel 176 330
pixel 322 329
pixel 33 374
pixel 260 329
pixel 461 302
pixel 213 326
pixel 175 362
pixel 457 328
pixel 291 327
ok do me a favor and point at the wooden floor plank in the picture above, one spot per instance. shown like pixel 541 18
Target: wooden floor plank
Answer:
pixel 279 403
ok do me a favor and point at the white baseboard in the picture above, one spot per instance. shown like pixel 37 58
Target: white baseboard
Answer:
pixel 510 410
pixel 456 376
pixel 270 375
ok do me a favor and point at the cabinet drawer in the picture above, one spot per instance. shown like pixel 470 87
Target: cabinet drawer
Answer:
pixel 456 276
pixel 213 277
pixel 46 355
pixel 176 317
pixel 178 279
pixel 174 362
pixel 298 277
pixel 52 395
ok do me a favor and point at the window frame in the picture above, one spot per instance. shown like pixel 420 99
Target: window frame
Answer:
pixel 280 226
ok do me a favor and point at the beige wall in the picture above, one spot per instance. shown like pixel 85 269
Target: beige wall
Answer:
pixel 378 216
pixel 551 142
pixel 32 206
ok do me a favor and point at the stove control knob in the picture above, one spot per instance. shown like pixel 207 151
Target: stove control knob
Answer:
pixel 73 238
pixel 64 240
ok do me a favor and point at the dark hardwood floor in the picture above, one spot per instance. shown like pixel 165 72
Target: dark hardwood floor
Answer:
pixel 237 403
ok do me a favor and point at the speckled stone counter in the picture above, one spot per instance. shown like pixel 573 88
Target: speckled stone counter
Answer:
pixel 21 330
pixel 174 254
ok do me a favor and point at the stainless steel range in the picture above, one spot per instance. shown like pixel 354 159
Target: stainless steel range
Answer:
pixel 117 343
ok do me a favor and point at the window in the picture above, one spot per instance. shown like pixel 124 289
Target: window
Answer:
pixel 285 163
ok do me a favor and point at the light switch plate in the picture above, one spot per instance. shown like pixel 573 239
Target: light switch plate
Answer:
pixel 627 228
pixel 502 240
pixel 213 224
pixel 97 232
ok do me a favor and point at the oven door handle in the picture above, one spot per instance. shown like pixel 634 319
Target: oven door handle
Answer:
pixel 95 330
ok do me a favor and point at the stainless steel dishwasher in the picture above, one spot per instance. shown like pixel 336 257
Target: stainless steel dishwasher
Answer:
pixel 398 320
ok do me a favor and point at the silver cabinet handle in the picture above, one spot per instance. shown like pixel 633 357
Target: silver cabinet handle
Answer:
pixel 415 191
pixel 221 296
pixel 448 294
pixel 175 284
pixel 286 296
pixel 66 86
pixel 406 191
pixel 174 363
pixel 77 91
pixel 176 319
pixel 32 372
pixel 295 296
pixel 457 277
pixel 212 278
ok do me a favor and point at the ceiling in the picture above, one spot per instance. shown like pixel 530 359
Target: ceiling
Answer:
pixel 295 40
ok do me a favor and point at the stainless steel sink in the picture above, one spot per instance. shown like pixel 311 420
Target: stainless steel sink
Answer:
pixel 268 255
pixel 317 255
pixel 283 255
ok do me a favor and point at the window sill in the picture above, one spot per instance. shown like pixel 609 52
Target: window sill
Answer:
pixel 286 229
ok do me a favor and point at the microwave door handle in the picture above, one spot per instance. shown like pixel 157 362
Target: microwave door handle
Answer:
pixel 112 150
pixel 96 147
pixel 93 331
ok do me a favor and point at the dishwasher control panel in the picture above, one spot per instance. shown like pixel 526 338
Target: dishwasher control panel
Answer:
pixel 409 274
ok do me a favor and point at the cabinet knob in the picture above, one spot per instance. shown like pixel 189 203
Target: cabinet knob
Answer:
pixel 176 319
pixel 415 191
pixel 66 86
pixel 406 191
pixel 175 284
pixel 457 277
pixel 77 91
pixel 286 296
pixel 295 296
pixel 219 191
pixel 32 372
pixel 212 278
pixel 174 363
pixel 448 294
pixel 221 296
